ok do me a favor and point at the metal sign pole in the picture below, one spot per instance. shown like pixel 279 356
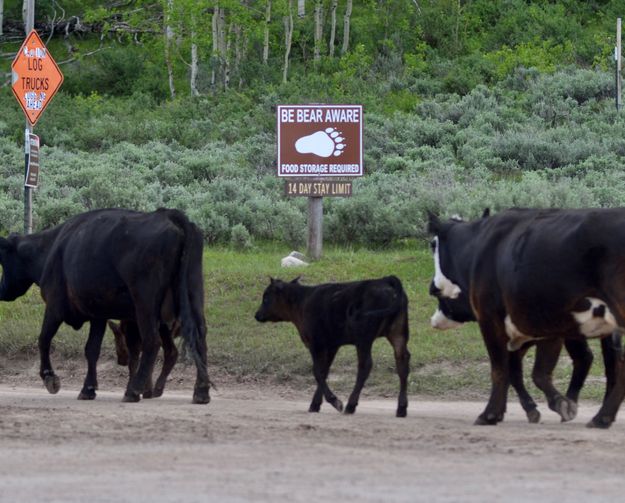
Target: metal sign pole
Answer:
pixel 28 191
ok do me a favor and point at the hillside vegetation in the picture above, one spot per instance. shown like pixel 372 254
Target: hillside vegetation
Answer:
pixel 467 104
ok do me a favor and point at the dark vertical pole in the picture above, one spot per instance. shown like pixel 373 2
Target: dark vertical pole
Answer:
pixel 28 191
pixel 315 227
pixel 617 56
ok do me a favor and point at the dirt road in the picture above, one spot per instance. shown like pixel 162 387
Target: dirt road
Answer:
pixel 262 445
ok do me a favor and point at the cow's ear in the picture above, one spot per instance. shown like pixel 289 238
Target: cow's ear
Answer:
pixel 486 213
pixel 296 280
pixel 434 224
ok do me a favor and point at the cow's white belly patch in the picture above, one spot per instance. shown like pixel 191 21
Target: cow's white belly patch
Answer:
pixel 517 338
pixel 441 322
pixel 447 287
pixel 596 321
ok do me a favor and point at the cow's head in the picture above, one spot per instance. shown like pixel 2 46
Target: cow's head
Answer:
pixel 277 301
pixel 16 259
pixel 451 249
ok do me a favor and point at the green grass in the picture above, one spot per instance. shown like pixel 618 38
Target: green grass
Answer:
pixel 444 364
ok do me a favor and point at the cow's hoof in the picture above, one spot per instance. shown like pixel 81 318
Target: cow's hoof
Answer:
pixel 52 383
pixel 157 392
pixel 487 419
pixel 533 416
pixel 402 411
pixel 566 408
pixel 87 394
pixel 350 408
pixel 602 422
pixel 201 396
pixel 314 407
pixel 337 404
pixel 148 394
pixel 131 397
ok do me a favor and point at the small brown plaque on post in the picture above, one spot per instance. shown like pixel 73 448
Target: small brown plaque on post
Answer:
pixel 317 188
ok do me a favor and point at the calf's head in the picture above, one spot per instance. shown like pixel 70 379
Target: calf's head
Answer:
pixel 277 301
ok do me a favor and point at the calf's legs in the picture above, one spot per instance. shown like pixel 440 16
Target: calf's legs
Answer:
pixel 364 369
pixel 48 329
pixel 322 359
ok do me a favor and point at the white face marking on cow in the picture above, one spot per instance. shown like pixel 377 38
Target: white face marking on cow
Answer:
pixel 441 322
pixel 445 285
pixel 591 325
pixel 517 338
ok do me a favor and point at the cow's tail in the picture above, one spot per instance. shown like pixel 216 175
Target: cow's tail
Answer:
pixel 191 291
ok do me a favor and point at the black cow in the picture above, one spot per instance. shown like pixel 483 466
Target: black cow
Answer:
pixel 332 315
pixel 454 312
pixel 113 264
pixel 538 275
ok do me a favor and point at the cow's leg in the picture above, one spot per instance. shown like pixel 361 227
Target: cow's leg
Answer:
pixel 170 356
pixel 121 348
pixel 399 341
pixel 607 414
pixel 133 345
pixel 147 323
pixel 92 353
pixel 494 336
pixel 365 363
pixel 547 354
pixel 50 325
pixel 516 380
pixel 582 358
pixel 315 404
pixel 610 350
pixel 321 368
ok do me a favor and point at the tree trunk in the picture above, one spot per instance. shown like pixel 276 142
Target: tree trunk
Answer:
pixel 1 15
pixel 194 66
pixel 332 27
pixel 228 42
pixel 288 37
pixel 318 29
pixel 301 8
pixel 169 37
pixel 266 40
pixel 348 13
pixel 215 33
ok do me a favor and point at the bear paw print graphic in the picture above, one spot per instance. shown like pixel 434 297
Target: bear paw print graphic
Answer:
pixel 326 143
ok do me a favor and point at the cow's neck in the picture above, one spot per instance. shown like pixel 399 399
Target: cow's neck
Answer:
pixel 296 300
pixel 41 243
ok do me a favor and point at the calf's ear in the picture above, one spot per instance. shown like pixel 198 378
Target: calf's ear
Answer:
pixel 486 213
pixel 296 280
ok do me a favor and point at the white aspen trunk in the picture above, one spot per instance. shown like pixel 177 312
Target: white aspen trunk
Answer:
pixel 318 29
pixel 215 33
pixel 24 11
pixel 227 51
pixel 169 38
pixel 332 27
pixel 239 44
pixel 301 8
pixel 266 40
pixel 221 29
pixel 194 66
pixel 346 18
pixel 288 37
pixel 1 15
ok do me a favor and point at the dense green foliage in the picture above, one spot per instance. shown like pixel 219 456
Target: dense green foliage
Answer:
pixel 467 104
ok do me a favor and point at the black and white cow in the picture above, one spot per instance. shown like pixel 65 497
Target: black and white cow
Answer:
pixel 537 275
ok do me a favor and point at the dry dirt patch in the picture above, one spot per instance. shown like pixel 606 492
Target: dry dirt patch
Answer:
pixel 260 444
